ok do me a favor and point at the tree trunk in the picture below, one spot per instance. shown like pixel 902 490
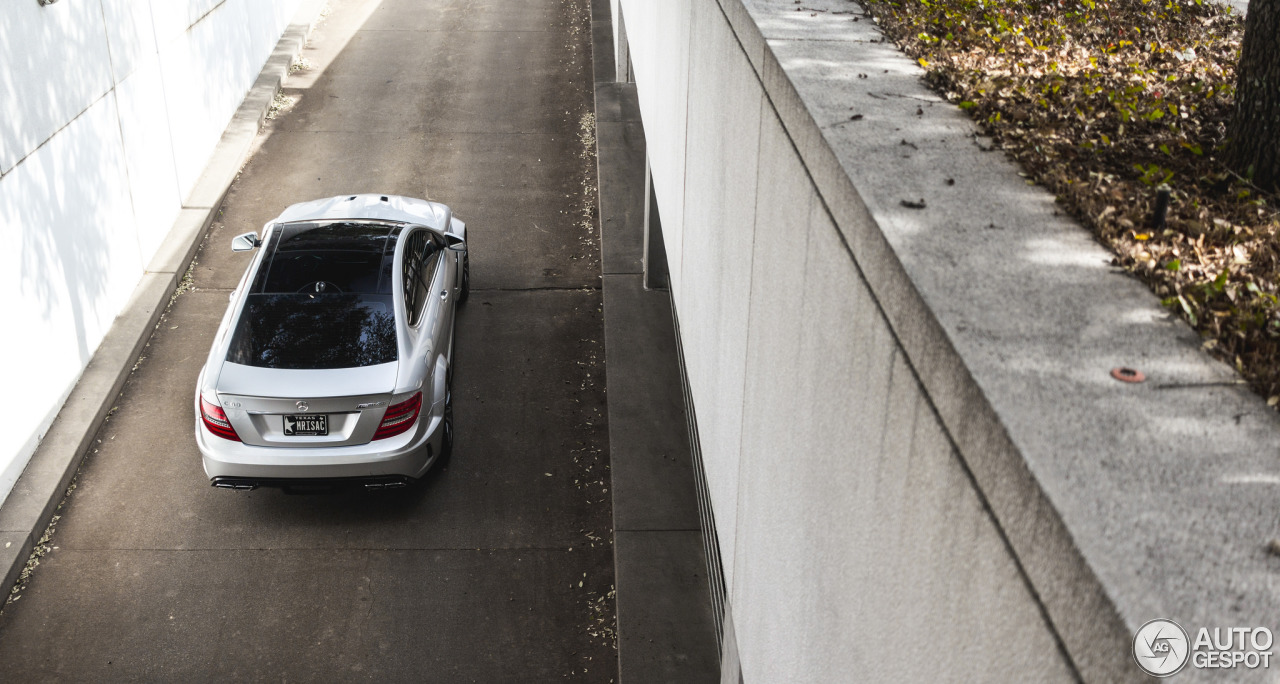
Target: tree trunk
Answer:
pixel 1254 148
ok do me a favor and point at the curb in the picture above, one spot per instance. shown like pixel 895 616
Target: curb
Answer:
pixel 36 496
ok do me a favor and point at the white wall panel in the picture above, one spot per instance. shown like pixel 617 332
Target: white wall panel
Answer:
pixel 773 448
pixel 204 82
pixel 265 21
pixel 153 181
pixel 56 64
pixel 722 150
pixel 173 17
pixel 93 96
pixel 72 265
pixel 660 50
pixel 130 35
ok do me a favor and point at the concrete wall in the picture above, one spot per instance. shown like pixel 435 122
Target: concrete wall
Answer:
pixel 108 111
pixel 919 465
pixel 827 468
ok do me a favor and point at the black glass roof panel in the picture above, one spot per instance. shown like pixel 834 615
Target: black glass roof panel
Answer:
pixel 328 258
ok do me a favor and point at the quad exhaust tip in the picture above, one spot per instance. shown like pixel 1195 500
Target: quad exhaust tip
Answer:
pixel 385 485
pixel 234 485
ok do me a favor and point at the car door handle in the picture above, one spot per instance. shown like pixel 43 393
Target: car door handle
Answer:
pixel 444 295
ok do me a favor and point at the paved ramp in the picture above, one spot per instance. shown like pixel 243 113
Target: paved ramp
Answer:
pixel 499 566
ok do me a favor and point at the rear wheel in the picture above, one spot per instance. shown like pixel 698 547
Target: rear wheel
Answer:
pixel 466 277
pixel 446 444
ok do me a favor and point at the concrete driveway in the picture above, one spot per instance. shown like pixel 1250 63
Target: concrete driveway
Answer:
pixel 499 567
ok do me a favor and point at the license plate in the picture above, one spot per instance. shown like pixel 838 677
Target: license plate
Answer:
pixel 309 425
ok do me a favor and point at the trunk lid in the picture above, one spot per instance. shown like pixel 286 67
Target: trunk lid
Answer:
pixel 281 407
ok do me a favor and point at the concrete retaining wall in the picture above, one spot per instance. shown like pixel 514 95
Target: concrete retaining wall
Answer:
pixel 109 110
pixel 919 465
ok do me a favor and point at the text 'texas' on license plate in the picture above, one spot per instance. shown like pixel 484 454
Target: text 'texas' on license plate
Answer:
pixel 310 425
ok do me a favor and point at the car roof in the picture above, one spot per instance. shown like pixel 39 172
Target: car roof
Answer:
pixel 370 207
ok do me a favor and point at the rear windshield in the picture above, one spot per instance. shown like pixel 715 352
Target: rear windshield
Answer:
pixel 321 299
pixel 310 331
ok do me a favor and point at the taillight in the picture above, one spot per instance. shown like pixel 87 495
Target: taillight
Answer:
pixel 399 417
pixel 216 421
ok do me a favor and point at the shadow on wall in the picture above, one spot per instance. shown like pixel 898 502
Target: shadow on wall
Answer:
pixel 64 197
pixel 70 254
pixel 64 227
pixel 65 208
pixel 56 64
pixel 71 261
pixel 206 76
pixel 109 110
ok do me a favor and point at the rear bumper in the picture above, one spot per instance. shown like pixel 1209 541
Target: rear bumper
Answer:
pixel 313 483
pixel 405 457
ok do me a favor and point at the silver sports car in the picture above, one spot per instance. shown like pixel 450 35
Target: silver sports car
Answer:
pixel 333 361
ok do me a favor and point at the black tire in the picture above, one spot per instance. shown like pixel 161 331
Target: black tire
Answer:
pixel 446 444
pixel 466 278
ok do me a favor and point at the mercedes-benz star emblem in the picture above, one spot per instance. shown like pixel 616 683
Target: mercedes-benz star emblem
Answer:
pixel 302 406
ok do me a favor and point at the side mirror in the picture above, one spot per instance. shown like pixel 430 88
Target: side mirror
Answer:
pixel 455 243
pixel 245 243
